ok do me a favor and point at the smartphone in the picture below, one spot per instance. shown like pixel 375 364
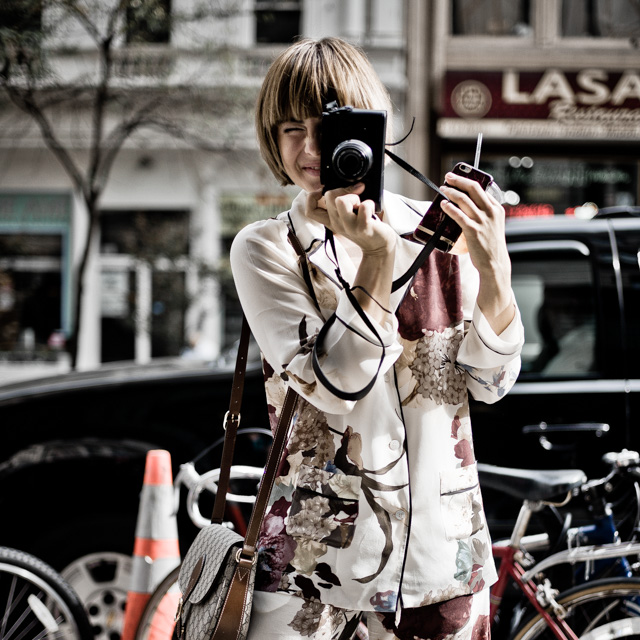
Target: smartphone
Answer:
pixel 435 216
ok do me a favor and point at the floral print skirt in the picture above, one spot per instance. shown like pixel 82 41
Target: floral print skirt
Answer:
pixel 280 616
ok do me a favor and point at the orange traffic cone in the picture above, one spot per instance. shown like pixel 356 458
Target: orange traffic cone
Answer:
pixel 156 551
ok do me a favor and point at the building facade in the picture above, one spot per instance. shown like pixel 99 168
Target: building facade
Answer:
pixel 157 282
pixel 553 86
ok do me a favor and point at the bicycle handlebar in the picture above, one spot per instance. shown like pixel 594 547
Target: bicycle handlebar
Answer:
pixel 196 483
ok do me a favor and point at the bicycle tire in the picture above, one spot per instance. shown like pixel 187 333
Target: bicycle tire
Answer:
pixel 601 610
pixel 157 619
pixel 36 602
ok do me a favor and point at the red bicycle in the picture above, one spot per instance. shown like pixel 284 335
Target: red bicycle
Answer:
pixel 595 610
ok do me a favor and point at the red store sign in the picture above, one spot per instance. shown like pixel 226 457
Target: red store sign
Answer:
pixel 591 104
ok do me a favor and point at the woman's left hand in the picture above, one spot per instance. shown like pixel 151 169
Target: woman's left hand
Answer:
pixel 482 219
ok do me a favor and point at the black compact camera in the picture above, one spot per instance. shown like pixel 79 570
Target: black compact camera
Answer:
pixel 352 150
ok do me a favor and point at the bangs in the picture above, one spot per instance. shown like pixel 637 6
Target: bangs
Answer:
pixel 319 74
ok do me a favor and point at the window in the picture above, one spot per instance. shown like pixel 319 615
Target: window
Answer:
pixel 30 294
pixel 146 234
pixel 490 17
pixel 554 290
pixel 35 279
pixel 277 21
pixel 236 211
pixel 148 21
pixel 628 242
pixel 22 16
pixel 144 259
pixel 601 18
pixel 539 186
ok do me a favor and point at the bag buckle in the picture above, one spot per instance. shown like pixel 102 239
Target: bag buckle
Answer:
pixel 226 416
pixel 239 557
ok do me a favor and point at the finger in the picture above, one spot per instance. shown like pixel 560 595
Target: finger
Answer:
pixel 347 204
pixel 333 194
pixel 470 187
pixel 462 201
pixel 315 200
pixel 316 208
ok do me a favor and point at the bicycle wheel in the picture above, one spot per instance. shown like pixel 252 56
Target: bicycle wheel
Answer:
pixel 157 619
pixel 601 610
pixel 36 603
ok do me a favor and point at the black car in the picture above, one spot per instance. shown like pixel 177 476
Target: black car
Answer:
pixel 74 446
pixel 73 456
pixel 577 283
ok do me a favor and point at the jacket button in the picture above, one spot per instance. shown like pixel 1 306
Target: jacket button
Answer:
pixel 399 514
pixel 394 445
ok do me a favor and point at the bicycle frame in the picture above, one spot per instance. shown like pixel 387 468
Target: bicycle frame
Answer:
pixel 542 596
pixel 510 568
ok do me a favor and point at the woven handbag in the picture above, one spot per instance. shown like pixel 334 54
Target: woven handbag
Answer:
pixel 218 572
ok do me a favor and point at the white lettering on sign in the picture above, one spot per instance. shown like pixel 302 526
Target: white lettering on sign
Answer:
pixel 554 86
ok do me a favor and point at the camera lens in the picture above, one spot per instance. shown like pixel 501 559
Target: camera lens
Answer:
pixel 352 160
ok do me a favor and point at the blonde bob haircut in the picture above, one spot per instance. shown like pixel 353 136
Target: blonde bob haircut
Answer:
pixel 303 78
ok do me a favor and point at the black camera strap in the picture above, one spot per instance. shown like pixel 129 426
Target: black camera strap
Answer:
pixel 402 280
pixel 317 346
pixel 428 248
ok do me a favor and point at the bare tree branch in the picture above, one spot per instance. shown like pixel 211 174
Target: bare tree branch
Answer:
pixel 26 102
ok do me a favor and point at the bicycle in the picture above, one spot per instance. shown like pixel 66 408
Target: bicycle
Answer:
pixel 598 609
pixel 603 608
pixel 36 602
pixel 612 505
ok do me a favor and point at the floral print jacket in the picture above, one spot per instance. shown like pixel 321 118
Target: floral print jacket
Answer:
pixel 377 500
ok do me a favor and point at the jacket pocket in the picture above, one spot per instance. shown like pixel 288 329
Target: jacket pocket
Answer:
pixel 324 507
pixel 461 502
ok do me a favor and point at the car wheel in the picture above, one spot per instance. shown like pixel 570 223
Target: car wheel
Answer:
pixel 102 581
pixel 93 553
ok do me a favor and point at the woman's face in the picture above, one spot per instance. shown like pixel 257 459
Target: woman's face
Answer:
pixel 299 144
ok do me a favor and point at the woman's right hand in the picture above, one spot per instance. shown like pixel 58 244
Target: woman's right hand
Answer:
pixel 342 211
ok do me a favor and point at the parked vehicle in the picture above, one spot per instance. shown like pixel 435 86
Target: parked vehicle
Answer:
pixel 72 463
pixel 577 283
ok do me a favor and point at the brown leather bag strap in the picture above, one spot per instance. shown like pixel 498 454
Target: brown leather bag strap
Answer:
pixel 232 613
pixel 231 424
pixel 302 261
pixel 270 471
pixel 232 421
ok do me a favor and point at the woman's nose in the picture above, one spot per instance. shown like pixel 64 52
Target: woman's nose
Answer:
pixel 313 143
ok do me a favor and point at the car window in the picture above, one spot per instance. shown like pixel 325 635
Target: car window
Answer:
pixel 553 285
pixel 628 241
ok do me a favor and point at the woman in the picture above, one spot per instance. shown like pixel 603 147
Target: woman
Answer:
pixel 376 513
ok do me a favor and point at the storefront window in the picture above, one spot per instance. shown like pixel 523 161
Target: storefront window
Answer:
pixel 491 18
pixel 544 186
pixel 236 212
pixel 601 18
pixel 30 295
pixel 34 276
pixel 144 262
